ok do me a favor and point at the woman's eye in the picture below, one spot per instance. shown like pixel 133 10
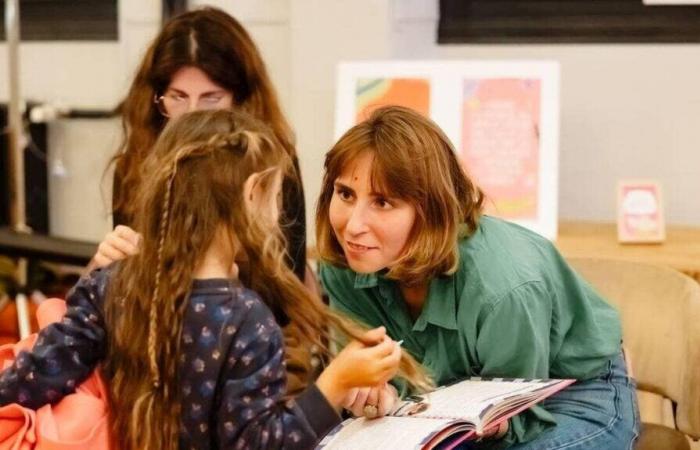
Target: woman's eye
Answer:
pixel 383 203
pixel 177 97
pixel 343 194
pixel 212 100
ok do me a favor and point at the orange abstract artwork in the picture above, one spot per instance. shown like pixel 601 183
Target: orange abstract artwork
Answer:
pixel 373 93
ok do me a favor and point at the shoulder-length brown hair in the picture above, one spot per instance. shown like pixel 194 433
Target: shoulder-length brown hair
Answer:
pixel 215 43
pixel 415 161
pixel 194 189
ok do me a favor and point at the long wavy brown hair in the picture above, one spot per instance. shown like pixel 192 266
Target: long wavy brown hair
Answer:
pixel 214 42
pixel 415 161
pixel 194 187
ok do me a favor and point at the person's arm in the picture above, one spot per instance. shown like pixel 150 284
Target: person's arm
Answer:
pixel 252 409
pixel 338 285
pixel 65 352
pixel 513 341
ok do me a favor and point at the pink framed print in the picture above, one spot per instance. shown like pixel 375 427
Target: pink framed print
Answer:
pixel 640 215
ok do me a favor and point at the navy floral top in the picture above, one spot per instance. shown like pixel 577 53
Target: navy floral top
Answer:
pixel 233 373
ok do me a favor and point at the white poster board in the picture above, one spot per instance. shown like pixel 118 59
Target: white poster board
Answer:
pixel 501 116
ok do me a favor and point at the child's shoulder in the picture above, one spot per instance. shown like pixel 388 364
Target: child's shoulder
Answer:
pixel 228 301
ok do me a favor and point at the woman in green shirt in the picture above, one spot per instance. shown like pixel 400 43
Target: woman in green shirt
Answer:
pixel 404 244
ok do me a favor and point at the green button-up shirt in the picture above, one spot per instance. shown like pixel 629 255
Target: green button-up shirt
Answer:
pixel 514 308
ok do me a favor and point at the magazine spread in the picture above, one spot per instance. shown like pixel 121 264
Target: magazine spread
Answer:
pixel 447 416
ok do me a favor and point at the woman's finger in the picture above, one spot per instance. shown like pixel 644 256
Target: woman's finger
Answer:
pixel 106 250
pixel 360 401
pixel 372 397
pixel 387 399
pixel 124 246
pixel 350 398
pixel 128 234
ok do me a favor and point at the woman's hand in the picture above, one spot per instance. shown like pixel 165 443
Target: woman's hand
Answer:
pixel 359 364
pixel 118 244
pixel 496 432
pixel 371 402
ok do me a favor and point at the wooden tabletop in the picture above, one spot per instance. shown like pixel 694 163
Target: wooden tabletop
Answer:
pixel 680 250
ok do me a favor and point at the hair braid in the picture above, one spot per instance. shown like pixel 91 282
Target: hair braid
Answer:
pixel 162 234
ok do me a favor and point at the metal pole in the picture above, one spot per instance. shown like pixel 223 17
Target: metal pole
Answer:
pixel 18 214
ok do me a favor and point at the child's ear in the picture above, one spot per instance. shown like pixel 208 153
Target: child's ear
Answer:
pixel 249 191
pixel 260 191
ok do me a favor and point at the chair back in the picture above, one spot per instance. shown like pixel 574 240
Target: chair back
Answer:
pixel 660 312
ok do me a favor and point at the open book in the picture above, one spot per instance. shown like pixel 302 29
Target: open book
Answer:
pixel 445 417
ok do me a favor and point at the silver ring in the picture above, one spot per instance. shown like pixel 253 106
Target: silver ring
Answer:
pixel 370 411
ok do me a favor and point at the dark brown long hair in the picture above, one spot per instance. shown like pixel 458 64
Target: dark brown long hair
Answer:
pixel 415 161
pixel 193 188
pixel 214 42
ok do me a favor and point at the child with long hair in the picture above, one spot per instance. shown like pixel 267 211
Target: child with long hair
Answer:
pixel 205 59
pixel 184 330
pixel 405 245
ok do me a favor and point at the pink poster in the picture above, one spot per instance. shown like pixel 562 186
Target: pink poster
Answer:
pixel 501 143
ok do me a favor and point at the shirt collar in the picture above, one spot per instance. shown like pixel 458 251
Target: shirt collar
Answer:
pixel 366 280
pixel 440 306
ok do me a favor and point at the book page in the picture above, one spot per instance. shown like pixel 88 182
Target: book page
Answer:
pixel 387 433
pixel 468 399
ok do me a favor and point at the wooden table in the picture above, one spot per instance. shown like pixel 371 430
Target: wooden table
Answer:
pixel 680 250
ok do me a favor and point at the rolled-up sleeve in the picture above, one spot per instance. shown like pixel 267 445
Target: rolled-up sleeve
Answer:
pixel 513 341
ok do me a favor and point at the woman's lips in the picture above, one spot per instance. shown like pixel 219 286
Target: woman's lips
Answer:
pixel 358 248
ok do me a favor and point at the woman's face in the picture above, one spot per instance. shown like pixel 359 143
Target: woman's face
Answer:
pixel 191 89
pixel 371 227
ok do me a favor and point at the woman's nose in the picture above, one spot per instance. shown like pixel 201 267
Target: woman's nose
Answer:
pixel 357 222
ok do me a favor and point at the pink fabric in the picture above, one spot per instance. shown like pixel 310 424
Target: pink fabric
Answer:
pixel 78 422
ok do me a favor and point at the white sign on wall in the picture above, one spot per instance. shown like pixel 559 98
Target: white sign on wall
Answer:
pixel 501 116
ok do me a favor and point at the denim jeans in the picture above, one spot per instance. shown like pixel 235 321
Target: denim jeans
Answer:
pixel 596 414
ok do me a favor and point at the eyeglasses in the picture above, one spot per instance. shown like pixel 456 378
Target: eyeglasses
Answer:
pixel 175 105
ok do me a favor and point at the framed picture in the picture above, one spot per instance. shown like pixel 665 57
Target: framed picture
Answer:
pixel 640 215
pixel 501 116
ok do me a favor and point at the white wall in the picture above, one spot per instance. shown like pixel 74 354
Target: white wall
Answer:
pixel 83 75
pixel 627 110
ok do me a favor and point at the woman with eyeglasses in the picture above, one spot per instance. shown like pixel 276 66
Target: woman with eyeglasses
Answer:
pixel 202 59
